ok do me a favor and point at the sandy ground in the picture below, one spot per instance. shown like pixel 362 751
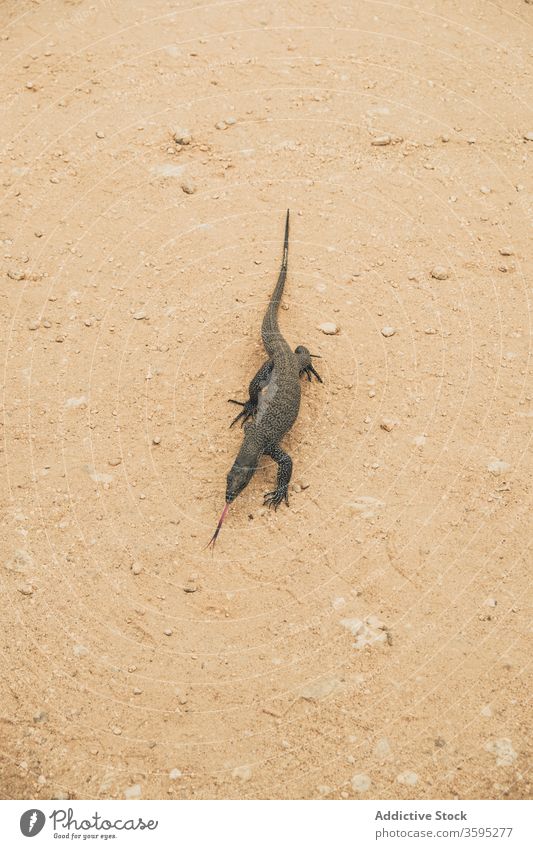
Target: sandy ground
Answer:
pixel 371 640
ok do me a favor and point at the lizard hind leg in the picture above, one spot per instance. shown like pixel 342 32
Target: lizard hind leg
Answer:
pixel 281 493
pixel 304 362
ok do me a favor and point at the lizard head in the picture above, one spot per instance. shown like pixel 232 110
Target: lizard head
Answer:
pixel 238 478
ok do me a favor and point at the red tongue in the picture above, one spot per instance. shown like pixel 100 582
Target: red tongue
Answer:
pixel 214 537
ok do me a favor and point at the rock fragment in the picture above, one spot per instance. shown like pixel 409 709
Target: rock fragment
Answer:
pixel 503 751
pixel 316 690
pixel 407 777
pixel 439 272
pixel 133 792
pixel 498 467
pixel 243 773
pixel 329 328
pixel 381 141
pixel 360 783
pixel 366 631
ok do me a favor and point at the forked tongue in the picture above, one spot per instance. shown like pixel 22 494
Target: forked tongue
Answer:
pixel 214 537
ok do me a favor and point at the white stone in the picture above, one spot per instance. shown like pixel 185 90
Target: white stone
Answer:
pixel 329 328
pixel 439 272
pixel 316 690
pixel 361 783
pixel 382 749
pixel 496 467
pixel 243 773
pixel 133 792
pixel 503 750
pixel 407 777
pixel 367 506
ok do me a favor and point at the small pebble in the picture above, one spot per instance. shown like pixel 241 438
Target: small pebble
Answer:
pixel 115 461
pixel 136 568
pixel 506 251
pixel 323 789
pixel 81 651
pixel 388 424
pixel 88 322
pixel 440 742
pixel 503 750
pixel 156 440
pixel 382 749
pixel 168 632
pixel 137 691
pixel 231 121
pixel 16 275
pixel 360 783
pixel 439 272
pixel 388 331
pixel 117 731
pixel 329 328
pixel 25 589
pixel 133 792
pixel 174 773
pixel 485 190
pixel 139 315
pixel 381 141
pixel 30 86
pixel 221 125
pixel 243 773
pixel 496 467
pixel 40 716
pixel 182 138
pixel 34 325
pixel 188 187
pixel 528 136
pixel 408 777
pixel 100 134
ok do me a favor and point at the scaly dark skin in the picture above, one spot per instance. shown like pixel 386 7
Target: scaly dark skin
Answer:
pixel 273 404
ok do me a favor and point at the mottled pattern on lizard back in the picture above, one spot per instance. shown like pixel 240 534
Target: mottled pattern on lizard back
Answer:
pixel 279 402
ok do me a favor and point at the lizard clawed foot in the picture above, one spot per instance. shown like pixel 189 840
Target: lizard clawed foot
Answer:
pixel 309 370
pixel 246 412
pixel 274 499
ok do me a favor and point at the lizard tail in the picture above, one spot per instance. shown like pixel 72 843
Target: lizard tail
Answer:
pixel 270 328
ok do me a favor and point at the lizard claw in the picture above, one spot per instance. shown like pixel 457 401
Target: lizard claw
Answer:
pixel 274 499
pixel 246 412
pixel 309 370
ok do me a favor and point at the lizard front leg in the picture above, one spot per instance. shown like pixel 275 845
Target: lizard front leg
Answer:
pixel 281 493
pixel 249 408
